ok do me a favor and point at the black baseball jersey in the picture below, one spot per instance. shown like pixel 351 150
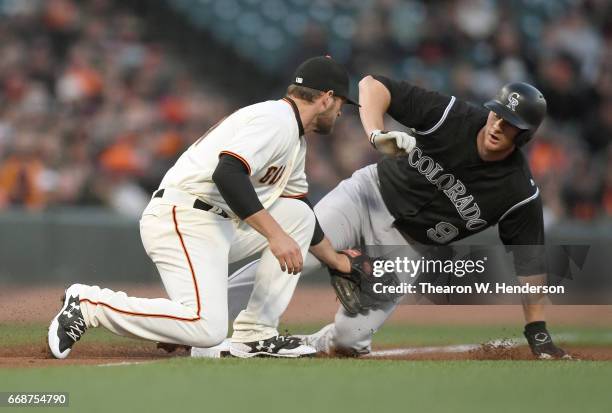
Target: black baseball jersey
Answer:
pixel 443 191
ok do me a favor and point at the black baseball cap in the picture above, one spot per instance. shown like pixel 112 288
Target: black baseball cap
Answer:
pixel 324 73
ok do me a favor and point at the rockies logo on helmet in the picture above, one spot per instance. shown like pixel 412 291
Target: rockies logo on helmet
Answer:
pixel 513 101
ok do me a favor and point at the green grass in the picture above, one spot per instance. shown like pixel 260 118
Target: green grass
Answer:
pixel 320 385
pixel 267 385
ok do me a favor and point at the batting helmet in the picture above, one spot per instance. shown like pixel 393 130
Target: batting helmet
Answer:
pixel 523 106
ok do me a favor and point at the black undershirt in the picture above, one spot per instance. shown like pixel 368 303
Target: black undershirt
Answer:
pixel 232 179
pixel 234 185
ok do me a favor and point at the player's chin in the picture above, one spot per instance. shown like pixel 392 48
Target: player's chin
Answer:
pixel 496 145
pixel 324 124
pixel 324 129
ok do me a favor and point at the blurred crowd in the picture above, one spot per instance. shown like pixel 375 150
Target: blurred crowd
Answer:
pixel 470 48
pixel 93 111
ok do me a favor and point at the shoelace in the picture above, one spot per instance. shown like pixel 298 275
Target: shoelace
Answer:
pixel 288 341
pixel 77 329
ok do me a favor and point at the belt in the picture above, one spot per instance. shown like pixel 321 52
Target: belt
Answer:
pixel 197 204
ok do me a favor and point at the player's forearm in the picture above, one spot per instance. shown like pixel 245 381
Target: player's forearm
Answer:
pixel 265 224
pixel 318 234
pixel 374 99
pixel 533 304
pixel 326 253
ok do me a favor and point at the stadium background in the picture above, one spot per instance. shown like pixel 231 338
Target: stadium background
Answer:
pixel 98 98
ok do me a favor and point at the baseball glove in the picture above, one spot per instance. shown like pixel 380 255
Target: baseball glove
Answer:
pixel 355 290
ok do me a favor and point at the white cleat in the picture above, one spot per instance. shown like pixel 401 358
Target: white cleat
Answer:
pixel 277 346
pixel 215 352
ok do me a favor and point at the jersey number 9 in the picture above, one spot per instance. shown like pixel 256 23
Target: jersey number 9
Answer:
pixel 443 233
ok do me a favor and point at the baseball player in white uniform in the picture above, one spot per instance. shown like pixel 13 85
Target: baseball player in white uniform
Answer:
pixel 238 190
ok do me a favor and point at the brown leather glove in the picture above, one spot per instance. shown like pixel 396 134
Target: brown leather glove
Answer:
pixel 356 290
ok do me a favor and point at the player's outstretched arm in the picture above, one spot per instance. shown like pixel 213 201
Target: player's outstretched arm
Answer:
pixel 375 98
pixel 326 253
pixel 536 333
pixel 522 231
pixel 534 305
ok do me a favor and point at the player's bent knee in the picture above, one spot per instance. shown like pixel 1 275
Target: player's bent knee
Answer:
pixel 310 219
pixel 301 213
pixel 357 341
pixel 210 333
pixel 301 210
pixel 209 338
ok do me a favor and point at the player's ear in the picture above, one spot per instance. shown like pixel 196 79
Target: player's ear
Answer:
pixel 328 100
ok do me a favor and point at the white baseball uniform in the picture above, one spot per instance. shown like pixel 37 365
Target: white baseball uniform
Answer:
pixel 351 212
pixel 193 247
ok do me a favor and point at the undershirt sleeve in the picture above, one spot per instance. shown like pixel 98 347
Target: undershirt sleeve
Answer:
pixel 232 179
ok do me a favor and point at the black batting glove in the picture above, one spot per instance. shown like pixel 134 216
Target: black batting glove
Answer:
pixel 541 343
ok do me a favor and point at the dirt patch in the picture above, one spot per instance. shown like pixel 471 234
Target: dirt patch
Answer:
pixel 501 351
pixel 101 354
pixel 310 304
pixel 489 352
pixel 37 355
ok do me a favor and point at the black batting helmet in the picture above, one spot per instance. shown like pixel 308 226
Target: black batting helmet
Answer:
pixel 523 106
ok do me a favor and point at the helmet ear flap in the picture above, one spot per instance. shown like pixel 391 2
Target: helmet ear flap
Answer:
pixel 522 138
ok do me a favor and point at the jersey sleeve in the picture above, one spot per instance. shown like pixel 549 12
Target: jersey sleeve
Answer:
pixel 256 143
pixel 297 185
pixel 522 231
pixel 414 106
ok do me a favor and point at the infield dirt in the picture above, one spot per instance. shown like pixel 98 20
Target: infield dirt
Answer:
pixel 311 304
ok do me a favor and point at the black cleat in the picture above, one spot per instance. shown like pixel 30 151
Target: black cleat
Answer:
pixel 68 326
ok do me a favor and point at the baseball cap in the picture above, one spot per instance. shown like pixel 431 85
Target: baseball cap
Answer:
pixel 324 73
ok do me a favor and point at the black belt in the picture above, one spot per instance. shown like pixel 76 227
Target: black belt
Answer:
pixel 198 204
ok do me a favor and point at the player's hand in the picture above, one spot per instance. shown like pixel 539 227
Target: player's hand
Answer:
pixel 541 343
pixel 343 263
pixel 287 252
pixel 392 142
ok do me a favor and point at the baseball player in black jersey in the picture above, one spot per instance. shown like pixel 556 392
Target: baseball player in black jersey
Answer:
pixel 464 174
pixel 457 173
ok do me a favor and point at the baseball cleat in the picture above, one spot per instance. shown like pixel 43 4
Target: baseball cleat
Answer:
pixel 277 346
pixel 215 352
pixel 68 326
pixel 321 340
